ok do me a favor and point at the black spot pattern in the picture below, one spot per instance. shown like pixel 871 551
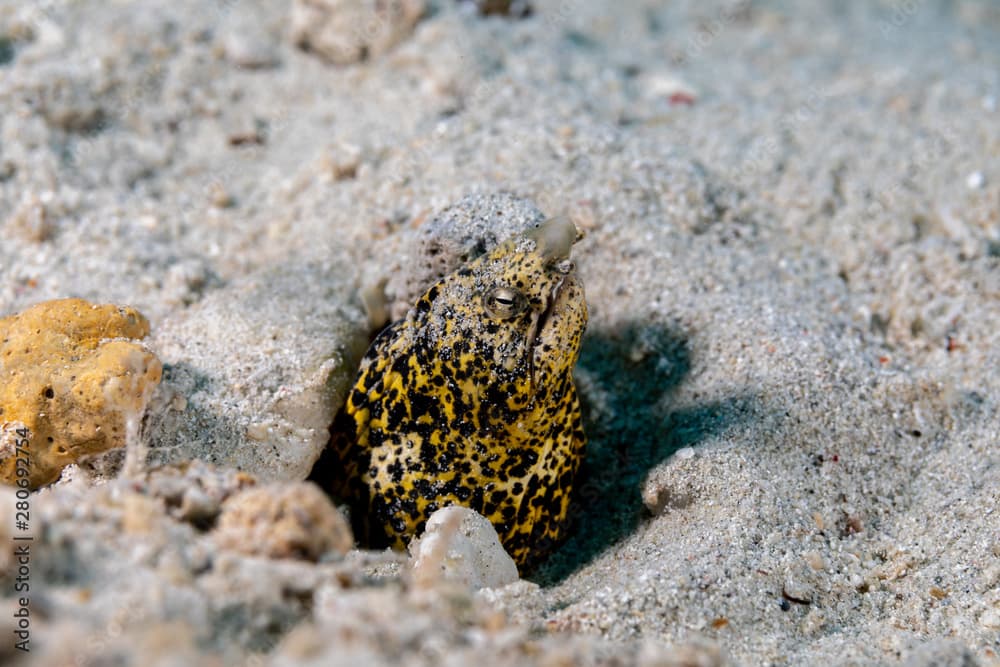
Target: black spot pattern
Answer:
pixel 456 405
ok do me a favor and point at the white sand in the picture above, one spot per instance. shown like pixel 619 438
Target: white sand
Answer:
pixel 792 264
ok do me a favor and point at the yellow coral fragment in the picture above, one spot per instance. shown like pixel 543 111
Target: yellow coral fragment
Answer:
pixel 71 378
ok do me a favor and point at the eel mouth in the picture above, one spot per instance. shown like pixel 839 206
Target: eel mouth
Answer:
pixel 554 239
pixel 552 339
pixel 543 318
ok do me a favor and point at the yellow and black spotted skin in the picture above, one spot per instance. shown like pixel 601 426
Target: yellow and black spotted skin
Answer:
pixel 469 400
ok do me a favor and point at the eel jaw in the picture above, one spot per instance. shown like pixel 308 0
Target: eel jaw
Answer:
pixel 554 238
pixel 538 322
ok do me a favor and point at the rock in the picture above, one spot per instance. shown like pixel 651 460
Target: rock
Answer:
pixel 348 31
pixel 256 371
pixel 246 42
pixel 815 560
pixel 194 492
pixel 283 521
pixel 115 560
pixel 674 484
pixel 667 86
pixel 798 588
pixel 31 220
pixel 510 8
pixel 463 231
pixel 461 545
pixel 340 162
pixel 73 381
pixel 68 101
pixel 185 281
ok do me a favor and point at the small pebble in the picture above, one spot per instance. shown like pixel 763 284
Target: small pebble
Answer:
pixel 218 196
pixel 684 453
pixel 511 8
pixel 283 521
pixel 669 87
pixel 812 623
pixel 348 31
pixel 341 162
pixel 198 507
pixel 938 593
pixel 815 560
pixel 257 432
pixel 31 220
pixel 250 47
pixel 975 180
pixel 461 545
pixel 797 590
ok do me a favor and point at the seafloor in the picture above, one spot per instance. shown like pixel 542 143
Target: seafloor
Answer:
pixel 791 376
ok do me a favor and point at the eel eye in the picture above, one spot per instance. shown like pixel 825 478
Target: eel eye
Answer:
pixel 504 302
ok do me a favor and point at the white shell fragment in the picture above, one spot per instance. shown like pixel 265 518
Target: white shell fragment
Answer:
pixel 461 545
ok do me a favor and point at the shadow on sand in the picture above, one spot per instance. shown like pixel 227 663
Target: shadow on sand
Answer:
pixel 626 377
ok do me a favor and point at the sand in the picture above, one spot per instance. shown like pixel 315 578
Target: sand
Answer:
pixel 790 377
